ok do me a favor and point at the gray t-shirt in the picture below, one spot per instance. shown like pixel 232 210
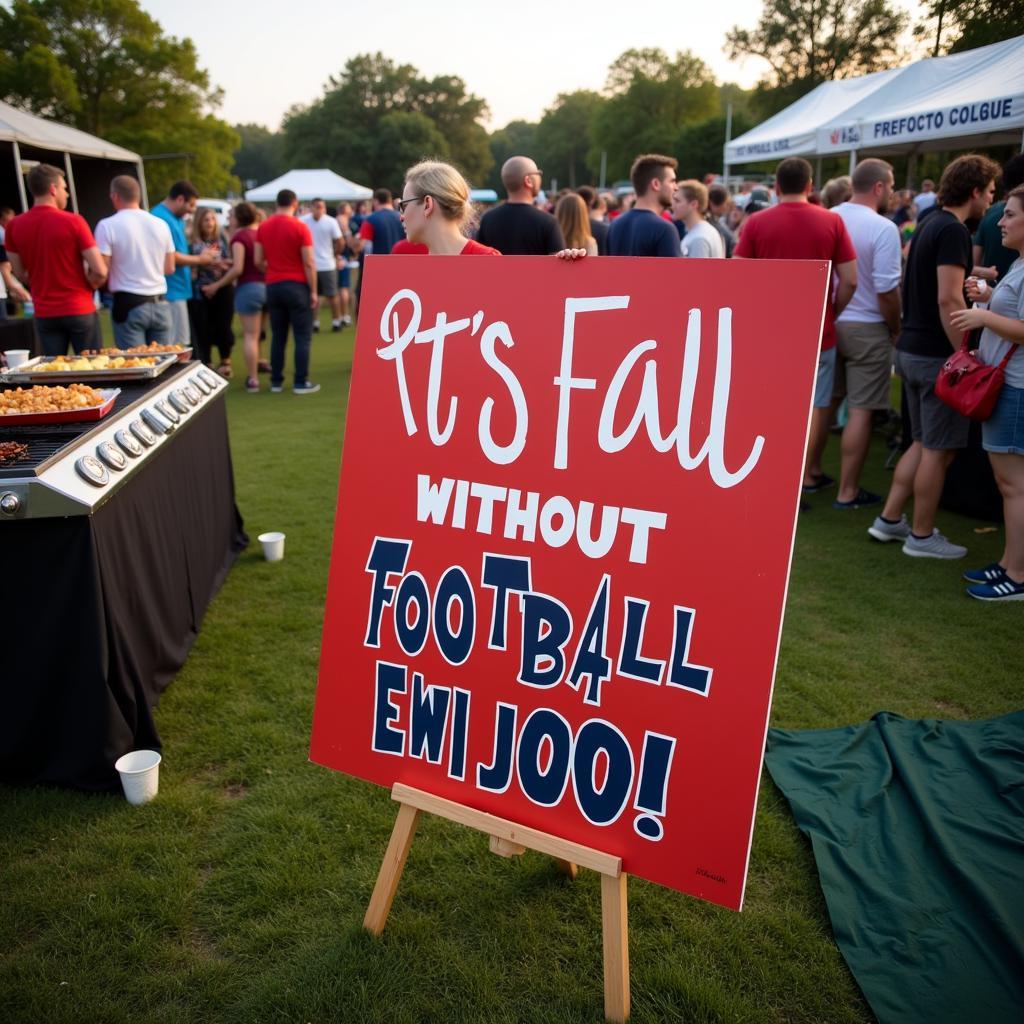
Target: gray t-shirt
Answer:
pixel 1007 300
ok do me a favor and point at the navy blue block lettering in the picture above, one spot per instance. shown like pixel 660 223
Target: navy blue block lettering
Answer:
pixel 601 806
pixel 386 557
pixel 539 611
pixel 454 586
pixel 590 660
pixel 504 574
pixel 496 776
pixel 460 728
pixel 652 789
pixel 412 591
pixel 631 663
pixel 390 679
pixel 681 673
pixel 428 715
pixel 544 729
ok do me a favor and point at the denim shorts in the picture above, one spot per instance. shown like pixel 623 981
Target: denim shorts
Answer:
pixel 1003 431
pixel 344 276
pixel 825 379
pixel 250 298
pixel 936 425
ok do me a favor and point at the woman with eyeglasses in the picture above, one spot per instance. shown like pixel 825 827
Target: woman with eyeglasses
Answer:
pixel 436 211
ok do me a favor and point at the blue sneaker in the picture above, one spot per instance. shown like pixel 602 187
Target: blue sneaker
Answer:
pixel 308 388
pixel 990 574
pixel 1004 590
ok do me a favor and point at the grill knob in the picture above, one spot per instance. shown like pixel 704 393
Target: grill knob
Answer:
pixel 10 503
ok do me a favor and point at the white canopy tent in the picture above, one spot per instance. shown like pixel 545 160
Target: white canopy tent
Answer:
pixel 320 183
pixel 89 162
pixel 939 103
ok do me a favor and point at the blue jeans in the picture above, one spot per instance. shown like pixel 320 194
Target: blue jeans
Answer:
pixel 80 331
pixel 149 322
pixel 288 304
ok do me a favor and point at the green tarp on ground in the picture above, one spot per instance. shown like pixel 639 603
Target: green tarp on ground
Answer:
pixel 918 835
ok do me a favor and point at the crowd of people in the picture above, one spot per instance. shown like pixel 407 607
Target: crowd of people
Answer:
pixel 908 280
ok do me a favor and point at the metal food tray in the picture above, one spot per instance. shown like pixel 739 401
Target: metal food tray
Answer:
pixel 184 356
pixel 92 412
pixel 29 372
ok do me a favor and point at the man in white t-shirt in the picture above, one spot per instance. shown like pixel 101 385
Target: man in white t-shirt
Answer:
pixel 868 327
pixel 327 244
pixel 690 205
pixel 139 252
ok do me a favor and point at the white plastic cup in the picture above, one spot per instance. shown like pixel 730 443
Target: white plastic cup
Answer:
pixel 273 546
pixel 16 356
pixel 140 775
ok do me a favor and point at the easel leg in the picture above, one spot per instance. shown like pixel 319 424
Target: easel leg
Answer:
pixel 391 869
pixel 566 867
pixel 615 927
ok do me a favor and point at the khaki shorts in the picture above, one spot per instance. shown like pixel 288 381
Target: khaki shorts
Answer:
pixel 864 365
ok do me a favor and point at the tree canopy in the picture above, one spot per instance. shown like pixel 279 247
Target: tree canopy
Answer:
pixel 259 156
pixel 106 67
pixel 807 42
pixel 950 26
pixel 650 96
pixel 376 118
pixel 563 137
pixel 516 138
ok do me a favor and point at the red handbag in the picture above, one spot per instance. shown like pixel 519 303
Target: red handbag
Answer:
pixel 968 385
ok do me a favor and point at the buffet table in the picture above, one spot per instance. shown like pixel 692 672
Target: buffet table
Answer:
pixel 100 610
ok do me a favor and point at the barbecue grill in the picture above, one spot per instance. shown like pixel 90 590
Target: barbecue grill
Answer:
pixel 71 469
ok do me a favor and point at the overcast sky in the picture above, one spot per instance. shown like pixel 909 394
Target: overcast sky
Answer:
pixel 267 57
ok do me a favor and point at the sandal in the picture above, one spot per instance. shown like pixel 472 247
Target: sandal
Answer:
pixel 225 369
pixel 818 483
pixel 263 366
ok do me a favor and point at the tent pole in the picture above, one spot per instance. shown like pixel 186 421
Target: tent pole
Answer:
pixel 725 147
pixel 16 150
pixel 70 175
pixel 912 168
pixel 142 185
pixel 853 160
pixel 817 173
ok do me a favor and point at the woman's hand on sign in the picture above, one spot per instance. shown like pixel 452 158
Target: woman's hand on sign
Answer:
pixel 571 254
pixel 968 319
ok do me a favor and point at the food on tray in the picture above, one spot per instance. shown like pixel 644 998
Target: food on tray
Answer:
pixel 41 398
pixel 151 349
pixel 11 451
pixel 61 364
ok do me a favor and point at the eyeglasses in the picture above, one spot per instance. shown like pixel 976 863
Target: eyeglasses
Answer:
pixel 403 203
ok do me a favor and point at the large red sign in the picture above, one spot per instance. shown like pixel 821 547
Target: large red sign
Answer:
pixel 564 529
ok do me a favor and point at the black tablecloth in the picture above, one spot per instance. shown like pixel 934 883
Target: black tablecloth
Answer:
pixel 100 611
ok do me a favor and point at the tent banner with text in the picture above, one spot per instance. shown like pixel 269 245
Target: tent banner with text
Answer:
pixel 565 521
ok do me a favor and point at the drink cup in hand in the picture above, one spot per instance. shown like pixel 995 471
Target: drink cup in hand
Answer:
pixel 977 289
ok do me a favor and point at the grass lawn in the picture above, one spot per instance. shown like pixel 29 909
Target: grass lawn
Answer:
pixel 238 895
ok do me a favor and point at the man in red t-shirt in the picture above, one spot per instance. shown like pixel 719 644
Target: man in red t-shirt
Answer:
pixel 797 230
pixel 47 247
pixel 284 252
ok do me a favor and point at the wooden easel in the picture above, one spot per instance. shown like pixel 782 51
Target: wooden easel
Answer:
pixel 509 840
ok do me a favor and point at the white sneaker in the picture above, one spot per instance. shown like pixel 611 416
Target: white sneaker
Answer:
pixel 885 532
pixel 935 546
